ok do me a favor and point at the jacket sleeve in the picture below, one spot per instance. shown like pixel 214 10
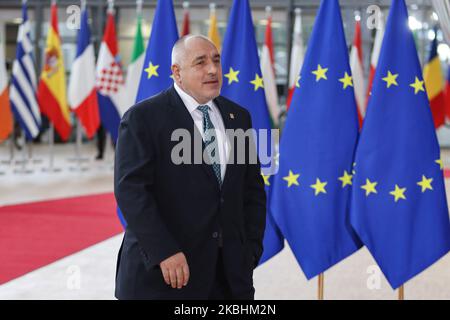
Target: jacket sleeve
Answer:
pixel 254 202
pixel 134 170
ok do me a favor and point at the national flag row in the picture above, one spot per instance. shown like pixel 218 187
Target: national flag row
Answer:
pixel 104 94
pixel 97 93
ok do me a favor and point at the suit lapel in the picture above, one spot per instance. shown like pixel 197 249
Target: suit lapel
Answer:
pixel 185 121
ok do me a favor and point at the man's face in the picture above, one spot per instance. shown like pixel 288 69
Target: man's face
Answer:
pixel 200 70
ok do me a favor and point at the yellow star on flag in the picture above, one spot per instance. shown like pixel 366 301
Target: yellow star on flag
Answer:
pixel 440 163
pixel 152 70
pixel 391 79
pixel 425 183
pixel 417 85
pixel 320 73
pixel 258 82
pixel 319 187
pixel 291 178
pixel 232 75
pixel 346 179
pixel 398 193
pixel 297 83
pixel 347 81
pixel 266 179
pixel 369 187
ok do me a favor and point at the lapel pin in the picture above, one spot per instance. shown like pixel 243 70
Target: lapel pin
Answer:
pixel 232 115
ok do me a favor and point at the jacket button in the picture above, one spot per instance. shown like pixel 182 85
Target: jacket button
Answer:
pixel 222 200
pixel 215 235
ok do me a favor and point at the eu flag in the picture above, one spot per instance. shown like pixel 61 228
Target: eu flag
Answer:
pixel 399 208
pixel 311 193
pixel 243 83
pixel 156 73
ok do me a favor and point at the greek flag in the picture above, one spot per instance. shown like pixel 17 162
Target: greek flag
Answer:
pixel 23 85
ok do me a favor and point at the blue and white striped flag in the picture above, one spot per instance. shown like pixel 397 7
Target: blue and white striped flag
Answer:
pixel 22 92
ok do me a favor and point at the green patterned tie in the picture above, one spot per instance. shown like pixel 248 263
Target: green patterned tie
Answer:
pixel 211 142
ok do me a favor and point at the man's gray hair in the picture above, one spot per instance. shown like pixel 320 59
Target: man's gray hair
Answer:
pixel 179 48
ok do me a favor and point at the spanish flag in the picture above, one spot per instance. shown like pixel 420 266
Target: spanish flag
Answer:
pixel 52 84
pixel 434 82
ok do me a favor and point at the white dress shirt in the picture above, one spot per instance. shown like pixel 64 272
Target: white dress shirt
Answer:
pixel 214 113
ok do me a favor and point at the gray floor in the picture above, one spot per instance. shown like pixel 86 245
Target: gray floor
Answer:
pixel 89 274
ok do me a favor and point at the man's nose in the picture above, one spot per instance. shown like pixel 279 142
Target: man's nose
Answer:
pixel 212 68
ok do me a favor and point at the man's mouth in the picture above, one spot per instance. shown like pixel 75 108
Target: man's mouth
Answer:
pixel 211 82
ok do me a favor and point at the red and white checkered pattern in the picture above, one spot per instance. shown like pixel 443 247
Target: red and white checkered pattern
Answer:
pixel 110 79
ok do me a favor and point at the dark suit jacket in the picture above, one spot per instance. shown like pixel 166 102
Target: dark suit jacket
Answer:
pixel 171 208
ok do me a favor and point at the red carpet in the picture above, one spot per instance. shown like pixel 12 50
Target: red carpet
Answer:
pixel 35 234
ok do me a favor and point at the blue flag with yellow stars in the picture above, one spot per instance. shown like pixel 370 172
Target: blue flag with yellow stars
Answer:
pixel 156 73
pixel 399 207
pixel 311 193
pixel 243 84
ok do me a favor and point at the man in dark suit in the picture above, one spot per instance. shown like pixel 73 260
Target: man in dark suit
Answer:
pixel 194 229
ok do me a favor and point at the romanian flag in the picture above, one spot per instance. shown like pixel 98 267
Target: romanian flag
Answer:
pixel 434 82
pixel 52 84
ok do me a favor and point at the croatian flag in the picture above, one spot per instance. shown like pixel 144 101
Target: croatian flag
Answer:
pixel 82 91
pixel 110 80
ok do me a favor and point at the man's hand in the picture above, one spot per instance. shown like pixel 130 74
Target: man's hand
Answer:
pixel 175 270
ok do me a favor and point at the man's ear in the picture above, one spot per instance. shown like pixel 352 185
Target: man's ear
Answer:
pixel 176 72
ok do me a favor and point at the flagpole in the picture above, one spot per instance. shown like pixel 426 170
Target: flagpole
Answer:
pixel 51 143
pixel 78 158
pixel 10 143
pixel 320 286
pixel 24 158
pixel 30 155
pixel 11 149
pixel 401 292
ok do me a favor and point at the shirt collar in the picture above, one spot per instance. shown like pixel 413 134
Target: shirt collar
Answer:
pixel 190 103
